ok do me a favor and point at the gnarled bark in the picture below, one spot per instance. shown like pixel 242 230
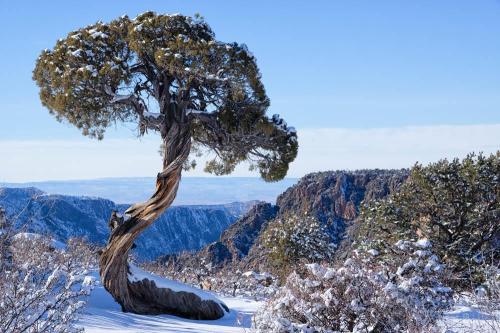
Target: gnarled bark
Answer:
pixel 144 297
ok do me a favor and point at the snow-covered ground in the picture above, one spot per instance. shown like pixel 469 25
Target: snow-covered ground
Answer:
pixel 468 318
pixel 103 315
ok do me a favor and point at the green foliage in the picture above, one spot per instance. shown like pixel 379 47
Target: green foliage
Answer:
pixel 454 204
pixel 293 240
pixel 267 144
pixel 74 75
pixel 123 70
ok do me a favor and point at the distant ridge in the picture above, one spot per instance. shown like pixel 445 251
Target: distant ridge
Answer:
pixel 192 190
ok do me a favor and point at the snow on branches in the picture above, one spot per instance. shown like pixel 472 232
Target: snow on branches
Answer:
pixel 454 204
pixel 292 239
pixel 361 295
pixel 42 287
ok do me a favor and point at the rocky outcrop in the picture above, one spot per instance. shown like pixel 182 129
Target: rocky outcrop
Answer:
pixel 333 197
pixel 237 240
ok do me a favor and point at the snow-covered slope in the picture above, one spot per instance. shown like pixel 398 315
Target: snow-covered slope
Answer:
pixel 103 315
pixel 61 216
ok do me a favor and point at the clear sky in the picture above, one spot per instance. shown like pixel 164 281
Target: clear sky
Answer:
pixel 418 75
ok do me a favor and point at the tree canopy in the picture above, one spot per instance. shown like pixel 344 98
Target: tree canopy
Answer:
pixel 162 71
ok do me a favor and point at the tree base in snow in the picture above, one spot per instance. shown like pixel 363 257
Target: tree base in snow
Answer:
pixel 139 292
pixel 149 299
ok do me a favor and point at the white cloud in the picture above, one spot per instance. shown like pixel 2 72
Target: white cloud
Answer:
pixel 77 159
pixel 332 149
pixel 320 149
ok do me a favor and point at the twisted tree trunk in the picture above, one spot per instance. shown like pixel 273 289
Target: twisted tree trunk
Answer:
pixel 144 297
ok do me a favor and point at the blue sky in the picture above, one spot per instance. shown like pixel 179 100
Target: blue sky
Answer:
pixel 358 65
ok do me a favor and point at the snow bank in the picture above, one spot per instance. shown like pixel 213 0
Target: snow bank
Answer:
pixel 136 274
pixel 467 317
pixel 103 315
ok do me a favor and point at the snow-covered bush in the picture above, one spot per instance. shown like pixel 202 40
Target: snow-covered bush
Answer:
pixel 228 281
pixel 488 294
pixel 293 239
pixel 250 284
pixel 42 285
pixel 455 204
pixel 362 295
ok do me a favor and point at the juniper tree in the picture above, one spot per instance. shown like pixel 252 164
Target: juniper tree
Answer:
pixel 455 204
pixel 169 75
